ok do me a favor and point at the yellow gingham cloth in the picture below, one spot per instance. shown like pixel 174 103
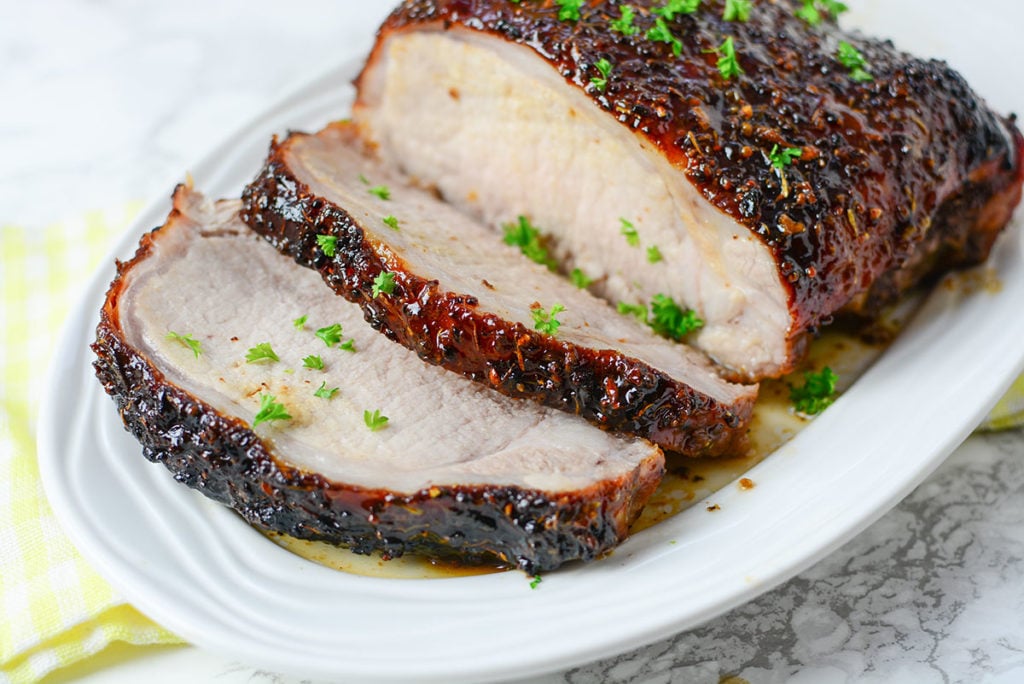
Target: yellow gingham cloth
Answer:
pixel 56 610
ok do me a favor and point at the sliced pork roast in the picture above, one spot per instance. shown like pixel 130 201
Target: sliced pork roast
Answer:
pixel 233 369
pixel 783 168
pixel 440 283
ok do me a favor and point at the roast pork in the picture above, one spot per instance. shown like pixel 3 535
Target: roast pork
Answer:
pixel 461 298
pixel 785 169
pixel 213 346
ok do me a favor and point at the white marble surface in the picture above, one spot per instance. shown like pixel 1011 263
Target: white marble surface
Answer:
pixel 107 101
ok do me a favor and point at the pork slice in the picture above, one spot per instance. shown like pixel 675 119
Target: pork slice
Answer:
pixel 778 196
pixel 457 472
pixel 464 300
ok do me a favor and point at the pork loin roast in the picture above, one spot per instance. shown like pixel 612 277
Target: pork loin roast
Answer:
pixel 226 361
pixel 784 170
pixel 440 283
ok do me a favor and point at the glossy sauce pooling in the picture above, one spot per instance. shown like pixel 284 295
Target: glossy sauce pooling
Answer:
pixel 893 178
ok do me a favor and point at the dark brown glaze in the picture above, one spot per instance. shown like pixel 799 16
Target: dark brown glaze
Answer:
pixel 445 328
pixel 899 178
pixel 223 458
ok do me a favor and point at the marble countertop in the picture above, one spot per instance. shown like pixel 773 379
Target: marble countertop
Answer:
pixel 108 102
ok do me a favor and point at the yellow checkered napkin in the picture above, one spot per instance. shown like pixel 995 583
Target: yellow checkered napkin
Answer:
pixel 54 609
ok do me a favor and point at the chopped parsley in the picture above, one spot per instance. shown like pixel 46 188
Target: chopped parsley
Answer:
pixel 624 24
pixel 853 60
pixel 188 341
pixel 384 283
pixel 530 242
pixel 391 222
pixel 639 311
pixel 328 243
pixel 661 33
pixel 811 10
pixel 535 582
pixel 664 316
pixel 364 180
pixel 260 353
pixel 604 67
pixel 374 420
pixel 381 191
pixel 300 322
pixel 546 321
pixel 325 393
pixel 628 230
pixel 728 64
pixel 817 393
pixel 654 254
pixel 781 158
pixel 348 345
pixel 668 319
pixel 331 335
pixel 269 410
pixel 580 279
pixel 569 10
pixel 737 10
pixel 313 362
pixel 673 7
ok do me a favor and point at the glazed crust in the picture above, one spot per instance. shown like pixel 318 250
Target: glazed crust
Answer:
pixel 898 178
pixel 445 328
pixel 222 457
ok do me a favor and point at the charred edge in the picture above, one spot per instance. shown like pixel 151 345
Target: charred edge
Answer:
pixel 884 164
pixel 222 458
pixel 614 392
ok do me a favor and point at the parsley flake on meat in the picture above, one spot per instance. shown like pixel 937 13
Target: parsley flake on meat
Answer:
pixel 187 340
pixel 261 353
pixel 816 394
pixel 270 410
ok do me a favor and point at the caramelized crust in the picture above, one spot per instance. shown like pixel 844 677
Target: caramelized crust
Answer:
pixel 897 178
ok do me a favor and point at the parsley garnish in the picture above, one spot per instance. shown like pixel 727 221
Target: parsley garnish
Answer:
pixel 639 311
pixel 728 65
pixel 580 279
pixel 853 60
pixel 375 421
pixel 313 362
pixel 545 321
pixel 535 582
pixel 811 10
pixel 817 394
pixel 328 243
pixel 348 345
pixel 381 191
pixel 654 254
pixel 781 158
pixel 325 393
pixel 673 7
pixel 665 317
pixel 391 222
pixel 629 231
pixel 605 68
pixel 737 10
pixel 569 10
pixel 269 410
pixel 364 180
pixel 384 283
pixel 661 33
pixel 528 238
pixel 300 322
pixel 668 319
pixel 187 340
pixel 331 335
pixel 624 24
pixel 260 353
